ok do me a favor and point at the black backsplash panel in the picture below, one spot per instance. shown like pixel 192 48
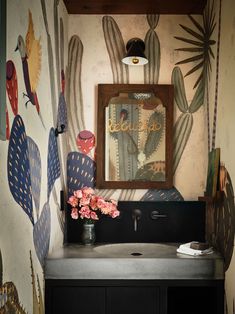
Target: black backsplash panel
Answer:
pixel 184 222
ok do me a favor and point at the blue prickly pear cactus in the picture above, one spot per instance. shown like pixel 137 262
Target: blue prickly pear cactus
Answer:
pixel 35 171
pixel 162 195
pixel 80 171
pixel 18 167
pixel 42 232
pixel 53 162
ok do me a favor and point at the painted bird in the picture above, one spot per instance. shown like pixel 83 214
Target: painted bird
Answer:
pixel 30 52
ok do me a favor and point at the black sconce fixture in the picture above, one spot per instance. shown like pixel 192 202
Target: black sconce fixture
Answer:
pixel 59 130
pixel 135 52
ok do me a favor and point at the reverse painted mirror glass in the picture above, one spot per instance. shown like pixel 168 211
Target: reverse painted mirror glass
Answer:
pixel 134 136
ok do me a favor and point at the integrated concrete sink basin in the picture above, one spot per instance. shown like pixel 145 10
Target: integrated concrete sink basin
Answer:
pixel 123 261
pixel 133 250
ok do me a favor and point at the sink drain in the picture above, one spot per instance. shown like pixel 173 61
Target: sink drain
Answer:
pixel 136 254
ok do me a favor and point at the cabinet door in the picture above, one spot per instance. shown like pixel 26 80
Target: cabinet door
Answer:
pixel 194 300
pixel 78 300
pixel 132 300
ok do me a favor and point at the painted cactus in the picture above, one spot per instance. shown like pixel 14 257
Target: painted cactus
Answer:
pixel 184 124
pixel 116 50
pixel 18 167
pixel 162 195
pixel 152 51
pixel 126 142
pixel 85 141
pixel 62 113
pixel 35 172
pixel 154 138
pixel 80 171
pixel 41 233
pixel 225 223
pixel 74 90
pixel 53 162
pixel 152 171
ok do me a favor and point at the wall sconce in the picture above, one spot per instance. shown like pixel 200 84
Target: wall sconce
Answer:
pixel 59 130
pixel 135 52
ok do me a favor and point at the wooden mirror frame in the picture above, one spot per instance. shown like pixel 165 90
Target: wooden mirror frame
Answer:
pixel 105 93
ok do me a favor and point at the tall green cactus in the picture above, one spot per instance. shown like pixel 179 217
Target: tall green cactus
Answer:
pixel 182 131
pixel 74 90
pixel 152 51
pixel 127 142
pixel 179 89
pixel 116 50
pixel 184 124
pixel 154 138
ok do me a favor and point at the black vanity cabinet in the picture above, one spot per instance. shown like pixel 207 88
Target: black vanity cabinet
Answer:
pixel 86 297
pixel 134 297
pixel 80 280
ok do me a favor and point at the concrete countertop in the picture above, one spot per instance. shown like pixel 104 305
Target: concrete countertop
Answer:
pixel 85 262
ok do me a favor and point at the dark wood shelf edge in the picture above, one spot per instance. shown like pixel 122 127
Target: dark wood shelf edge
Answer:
pixel 219 197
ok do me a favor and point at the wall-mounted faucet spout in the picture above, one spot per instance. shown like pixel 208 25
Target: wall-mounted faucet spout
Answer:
pixel 136 214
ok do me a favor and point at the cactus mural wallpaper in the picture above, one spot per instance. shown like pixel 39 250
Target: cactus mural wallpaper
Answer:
pixel 9 298
pixel 28 161
pixel 72 55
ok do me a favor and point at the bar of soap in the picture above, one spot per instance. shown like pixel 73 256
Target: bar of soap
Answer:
pixel 199 246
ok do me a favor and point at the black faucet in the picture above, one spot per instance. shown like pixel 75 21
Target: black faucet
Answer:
pixel 136 214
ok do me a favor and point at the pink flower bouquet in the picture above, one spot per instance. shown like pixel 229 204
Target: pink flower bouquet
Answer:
pixel 88 206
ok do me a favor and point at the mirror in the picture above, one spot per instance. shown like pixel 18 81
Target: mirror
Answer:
pixel 134 136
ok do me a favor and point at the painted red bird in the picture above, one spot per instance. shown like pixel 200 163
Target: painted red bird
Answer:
pixel 30 52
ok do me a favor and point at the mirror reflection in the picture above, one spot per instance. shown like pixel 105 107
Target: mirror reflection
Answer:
pixel 135 138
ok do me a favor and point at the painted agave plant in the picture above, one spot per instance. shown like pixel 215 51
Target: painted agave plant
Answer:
pixel 201 44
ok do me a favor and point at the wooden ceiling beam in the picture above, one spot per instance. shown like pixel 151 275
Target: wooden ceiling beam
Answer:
pixel 135 7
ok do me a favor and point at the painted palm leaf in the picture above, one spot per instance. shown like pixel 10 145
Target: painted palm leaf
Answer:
pixel 202 42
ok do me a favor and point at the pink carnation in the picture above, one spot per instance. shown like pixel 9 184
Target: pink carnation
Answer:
pixel 94 216
pixel 74 213
pixel 73 201
pixel 114 202
pixel 100 202
pixel 87 191
pixel 93 202
pixel 115 213
pixel 106 208
pixel 84 201
pixel 78 193
pixel 85 212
